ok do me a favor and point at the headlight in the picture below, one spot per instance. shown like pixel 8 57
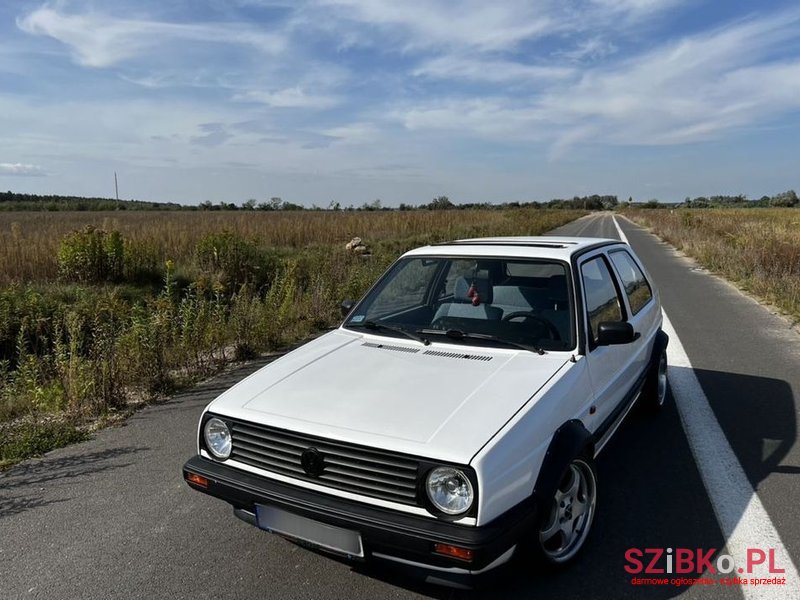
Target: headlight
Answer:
pixel 218 438
pixel 450 490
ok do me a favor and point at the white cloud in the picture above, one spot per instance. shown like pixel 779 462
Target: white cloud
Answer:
pixel 470 24
pixel 495 119
pixel 592 49
pixel 687 91
pixel 488 70
pixel 693 89
pixel 98 40
pixel 293 97
pixel 636 9
pixel 354 133
pixel 21 170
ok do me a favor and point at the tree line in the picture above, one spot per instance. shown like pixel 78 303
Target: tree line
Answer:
pixel 34 202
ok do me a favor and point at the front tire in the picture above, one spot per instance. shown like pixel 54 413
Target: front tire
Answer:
pixel 568 520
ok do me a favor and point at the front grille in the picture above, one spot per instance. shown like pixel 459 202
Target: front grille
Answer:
pixel 345 467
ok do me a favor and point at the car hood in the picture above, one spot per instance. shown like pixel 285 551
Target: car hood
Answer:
pixel 440 401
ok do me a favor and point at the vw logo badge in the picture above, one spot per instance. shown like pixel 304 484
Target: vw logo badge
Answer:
pixel 312 462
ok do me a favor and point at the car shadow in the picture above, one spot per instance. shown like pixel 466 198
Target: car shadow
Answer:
pixel 652 496
pixel 758 417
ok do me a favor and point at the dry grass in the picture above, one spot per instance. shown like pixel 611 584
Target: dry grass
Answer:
pixel 759 249
pixel 29 241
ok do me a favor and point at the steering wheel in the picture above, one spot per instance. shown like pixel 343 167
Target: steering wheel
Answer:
pixel 552 332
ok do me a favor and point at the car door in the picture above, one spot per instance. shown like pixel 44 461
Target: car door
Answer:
pixel 643 308
pixel 612 369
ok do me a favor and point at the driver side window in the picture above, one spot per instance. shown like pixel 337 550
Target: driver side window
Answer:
pixel 406 289
pixel 602 299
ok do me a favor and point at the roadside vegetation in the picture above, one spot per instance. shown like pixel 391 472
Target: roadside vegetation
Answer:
pixel 103 311
pixel 759 250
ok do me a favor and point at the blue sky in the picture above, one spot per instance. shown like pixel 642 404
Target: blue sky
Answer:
pixel 348 101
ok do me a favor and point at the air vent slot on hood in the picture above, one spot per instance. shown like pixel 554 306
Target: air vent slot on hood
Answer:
pixel 460 355
pixel 390 347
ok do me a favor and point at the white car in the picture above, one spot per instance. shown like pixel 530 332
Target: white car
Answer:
pixel 454 417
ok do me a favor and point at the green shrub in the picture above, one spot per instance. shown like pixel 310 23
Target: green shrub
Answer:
pixel 91 255
pixel 228 260
pixel 143 263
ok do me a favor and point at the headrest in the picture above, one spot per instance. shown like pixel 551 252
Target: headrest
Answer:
pixel 482 286
pixel 557 288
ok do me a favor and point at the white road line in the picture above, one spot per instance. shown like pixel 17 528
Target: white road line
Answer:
pixel 740 514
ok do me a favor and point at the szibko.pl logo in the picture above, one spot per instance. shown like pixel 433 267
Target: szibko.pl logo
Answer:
pixel 684 561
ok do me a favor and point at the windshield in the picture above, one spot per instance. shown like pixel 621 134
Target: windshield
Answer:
pixel 522 302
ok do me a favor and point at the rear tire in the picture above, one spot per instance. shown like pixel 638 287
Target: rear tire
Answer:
pixel 654 392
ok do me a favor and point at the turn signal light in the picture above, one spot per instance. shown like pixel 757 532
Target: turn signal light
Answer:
pixel 454 551
pixel 198 480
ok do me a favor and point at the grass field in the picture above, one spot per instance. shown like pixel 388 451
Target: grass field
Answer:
pixel 29 242
pixel 759 249
pixel 99 311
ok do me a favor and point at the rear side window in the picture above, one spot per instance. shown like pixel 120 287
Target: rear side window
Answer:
pixel 636 285
pixel 602 301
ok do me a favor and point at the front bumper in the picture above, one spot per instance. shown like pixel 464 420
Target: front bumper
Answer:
pixel 404 539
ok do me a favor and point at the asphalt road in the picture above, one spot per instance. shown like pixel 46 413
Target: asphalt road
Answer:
pixel 112 518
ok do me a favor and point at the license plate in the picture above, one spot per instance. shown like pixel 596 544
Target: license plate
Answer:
pixel 302 529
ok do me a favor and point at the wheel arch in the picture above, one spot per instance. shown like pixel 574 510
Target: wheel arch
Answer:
pixel 659 345
pixel 570 440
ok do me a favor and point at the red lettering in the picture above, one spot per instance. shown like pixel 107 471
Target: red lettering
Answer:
pixel 657 553
pixel 632 555
pixel 704 561
pixel 752 561
pixel 772 567
pixel 684 560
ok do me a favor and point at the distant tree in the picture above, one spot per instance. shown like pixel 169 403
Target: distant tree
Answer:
pixel 762 202
pixel 608 202
pixel 784 199
pixel 369 206
pixel 249 205
pixel 440 203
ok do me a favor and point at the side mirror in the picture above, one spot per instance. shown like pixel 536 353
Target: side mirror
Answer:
pixel 346 306
pixel 614 332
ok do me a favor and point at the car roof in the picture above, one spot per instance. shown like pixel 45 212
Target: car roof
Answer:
pixel 552 247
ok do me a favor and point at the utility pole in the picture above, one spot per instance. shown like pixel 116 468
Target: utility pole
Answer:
pixel 116 186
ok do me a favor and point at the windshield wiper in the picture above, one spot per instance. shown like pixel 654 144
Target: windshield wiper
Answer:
pixel 376 326
pixel 457 334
